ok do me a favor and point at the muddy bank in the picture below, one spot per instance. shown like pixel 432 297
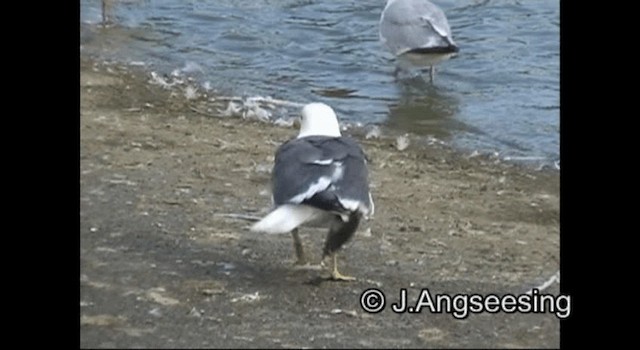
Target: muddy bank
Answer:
pixel 167 259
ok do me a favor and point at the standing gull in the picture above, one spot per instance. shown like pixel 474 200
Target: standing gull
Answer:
pixel 417 32
pixel 319 177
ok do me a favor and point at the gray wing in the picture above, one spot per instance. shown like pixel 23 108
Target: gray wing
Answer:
pixel 414 24
pixel 325 172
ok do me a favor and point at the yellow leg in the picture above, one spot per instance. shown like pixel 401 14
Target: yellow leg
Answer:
pixel 335 274
pixel 301 262
pixel 301 259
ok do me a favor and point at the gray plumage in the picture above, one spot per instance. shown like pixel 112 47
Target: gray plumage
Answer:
pixel 321 172
pixel 418 32
pixel 319 177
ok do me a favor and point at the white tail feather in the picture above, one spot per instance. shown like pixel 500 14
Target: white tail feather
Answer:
pixel 285 218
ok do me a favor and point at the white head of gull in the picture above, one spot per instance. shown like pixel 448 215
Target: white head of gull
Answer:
pixel 318 119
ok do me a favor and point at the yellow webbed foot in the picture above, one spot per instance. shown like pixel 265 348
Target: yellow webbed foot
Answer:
pixel 335 274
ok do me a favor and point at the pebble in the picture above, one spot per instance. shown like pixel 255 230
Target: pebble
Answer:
pixel 402 142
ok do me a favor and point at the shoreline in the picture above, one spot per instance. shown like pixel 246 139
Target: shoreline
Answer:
pixel 167 258
pixel 281 113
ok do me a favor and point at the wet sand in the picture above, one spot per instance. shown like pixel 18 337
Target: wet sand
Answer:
pixel 167 260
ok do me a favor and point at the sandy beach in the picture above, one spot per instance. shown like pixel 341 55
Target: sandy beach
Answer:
pixel 167 260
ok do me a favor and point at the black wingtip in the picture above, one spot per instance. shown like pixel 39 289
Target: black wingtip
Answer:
pixel 435 50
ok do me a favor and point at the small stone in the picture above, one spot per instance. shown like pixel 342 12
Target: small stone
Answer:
pixel 402 142
pixel 155 312
pixel 195 313
pixel 429 335
pixel 374 133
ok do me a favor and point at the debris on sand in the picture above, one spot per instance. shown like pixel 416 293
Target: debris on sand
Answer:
pixel 233 110
pixel 247 298
pixel 373 133
pixel 554 278
pixel 430 335
pixel 155 312
pixel 195 312
pixel 190 93
pixel 402 142
pixel 101 320
pixel 155 294
pixel 351 313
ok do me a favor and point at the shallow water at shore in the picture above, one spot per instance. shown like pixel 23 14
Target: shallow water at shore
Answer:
pixel 500 95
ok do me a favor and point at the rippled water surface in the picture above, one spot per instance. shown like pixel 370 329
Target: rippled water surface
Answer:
pixel 500 94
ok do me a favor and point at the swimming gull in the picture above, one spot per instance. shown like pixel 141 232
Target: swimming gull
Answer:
pixel 417 31
pixel 319 177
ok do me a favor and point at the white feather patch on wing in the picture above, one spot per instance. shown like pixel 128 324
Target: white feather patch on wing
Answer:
pixel 314 188
pixel 323 162
pixel 285 218
pixel 350 204
pixel 338 172
pixel 356 205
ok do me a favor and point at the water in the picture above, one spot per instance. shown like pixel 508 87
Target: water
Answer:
pixel 501 94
